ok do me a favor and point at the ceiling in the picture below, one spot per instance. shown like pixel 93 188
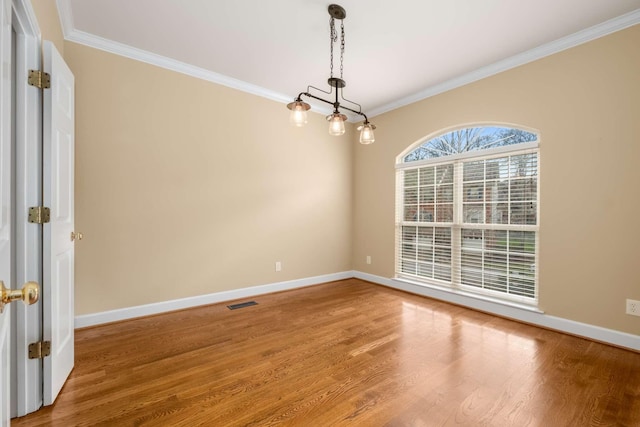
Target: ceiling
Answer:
pixel 397 52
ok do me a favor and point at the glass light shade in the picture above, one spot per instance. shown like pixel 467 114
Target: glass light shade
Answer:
pixel 298 115
pixel 336 124
pixel 366 134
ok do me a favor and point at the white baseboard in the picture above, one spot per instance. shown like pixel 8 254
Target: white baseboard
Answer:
pixel 513 311
pixel 526 315
pixel 94 319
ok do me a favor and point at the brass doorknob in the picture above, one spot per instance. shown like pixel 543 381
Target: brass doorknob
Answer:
pixel 76 236
pixel 28 294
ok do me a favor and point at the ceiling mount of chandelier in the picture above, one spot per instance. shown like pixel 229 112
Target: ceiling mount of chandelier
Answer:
pixel 299 108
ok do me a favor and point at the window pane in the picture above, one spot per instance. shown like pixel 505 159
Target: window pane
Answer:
pixel 425 235
pixel 472 213
pixel 408 234
pixel 410 196
pixel 497 213
pixel 472 239
pixel 522 241
pixel 473 192
pixel 473 171
pixel 522 287
pixel 408 251
pixel 444 193
pixel 471 278
pixel 524 165
pixel 425 269
pixel 472 262
pixel 469 139
pixel 410 178
pixel 442 272
pixel 497 168
pixel 408 267
pixel 495 282
pixel 523 189
pixel 444 174
pixel 427 176
pixel 408 243
pixel 444 213
pixel 495 240
pixel 427 195
pixel 442 255
pixel 471 257
pixel 495 262
pixel 443 236
pixel 410 213
pixel 425 253
pixel 496 191
pixel 522 266
pixel 523 213
pixel 426 213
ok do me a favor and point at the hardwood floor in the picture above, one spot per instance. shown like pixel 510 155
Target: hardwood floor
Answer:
pixel 342 353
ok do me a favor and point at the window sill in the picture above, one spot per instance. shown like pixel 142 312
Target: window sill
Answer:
pixel 458 296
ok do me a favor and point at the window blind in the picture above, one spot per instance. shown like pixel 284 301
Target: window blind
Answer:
pixel 471 223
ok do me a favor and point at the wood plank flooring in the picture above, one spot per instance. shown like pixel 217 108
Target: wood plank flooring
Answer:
pixel 342 353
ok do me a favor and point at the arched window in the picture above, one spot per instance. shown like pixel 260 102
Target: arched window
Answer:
pixel 467 212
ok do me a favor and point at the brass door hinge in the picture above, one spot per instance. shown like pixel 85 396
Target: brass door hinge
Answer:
pixel 39 215
pixel 39 350
pixel 39 79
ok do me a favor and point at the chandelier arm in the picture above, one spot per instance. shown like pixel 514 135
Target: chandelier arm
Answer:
pixel 315 97
pixel 319 90
pixel 351 102
pixel 333 104
pixel 353 111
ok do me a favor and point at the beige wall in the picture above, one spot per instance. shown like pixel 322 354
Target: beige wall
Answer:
pixel 184 187
pixel 585 102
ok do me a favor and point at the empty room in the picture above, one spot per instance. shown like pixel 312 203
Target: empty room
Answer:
pixel 300 213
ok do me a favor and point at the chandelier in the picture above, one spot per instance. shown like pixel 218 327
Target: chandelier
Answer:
pixel 299 108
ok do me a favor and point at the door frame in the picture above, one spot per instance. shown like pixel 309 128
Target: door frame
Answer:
pixel 27 323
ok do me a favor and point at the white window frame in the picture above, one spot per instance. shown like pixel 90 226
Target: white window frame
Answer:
pixel 457 225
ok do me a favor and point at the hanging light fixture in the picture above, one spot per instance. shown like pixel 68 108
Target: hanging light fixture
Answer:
pixel 299 108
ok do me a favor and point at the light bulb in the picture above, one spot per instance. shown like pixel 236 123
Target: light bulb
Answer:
pixel 366 132
pixel 298 115
pixel 336 124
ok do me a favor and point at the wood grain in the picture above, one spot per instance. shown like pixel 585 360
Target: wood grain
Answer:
pixel 342 353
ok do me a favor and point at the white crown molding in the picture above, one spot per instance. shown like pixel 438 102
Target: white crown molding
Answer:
pixel 66 16
pixel 584 36
pixel 94 319
pixel 171 64
pixel 524 314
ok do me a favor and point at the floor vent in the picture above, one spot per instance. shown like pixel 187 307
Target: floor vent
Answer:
pixel 242 305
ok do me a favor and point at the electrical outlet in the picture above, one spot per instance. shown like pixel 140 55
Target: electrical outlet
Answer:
pixel 368 259
pixel 633 307
pixel 278 266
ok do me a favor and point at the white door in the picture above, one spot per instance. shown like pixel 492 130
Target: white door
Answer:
pixel 58 246
pixel 5 201
pixel 26 391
